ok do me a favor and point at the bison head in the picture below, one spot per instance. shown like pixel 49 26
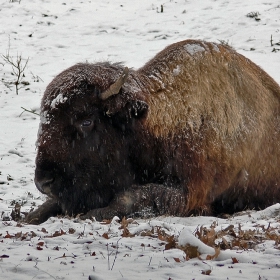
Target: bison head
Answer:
pixel 88 115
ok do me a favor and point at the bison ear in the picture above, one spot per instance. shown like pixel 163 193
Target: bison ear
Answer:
pixel 137 109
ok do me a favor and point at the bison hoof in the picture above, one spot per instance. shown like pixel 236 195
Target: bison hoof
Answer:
pixel 32 218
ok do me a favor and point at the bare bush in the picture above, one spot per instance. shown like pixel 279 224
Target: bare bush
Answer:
pixel 18 65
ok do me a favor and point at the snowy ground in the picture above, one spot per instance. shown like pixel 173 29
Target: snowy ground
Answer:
pixel 54 35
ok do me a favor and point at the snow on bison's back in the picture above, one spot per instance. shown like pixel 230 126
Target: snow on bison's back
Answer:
pixel 196 129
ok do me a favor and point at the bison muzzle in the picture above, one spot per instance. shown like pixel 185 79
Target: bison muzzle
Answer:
pixel 195 130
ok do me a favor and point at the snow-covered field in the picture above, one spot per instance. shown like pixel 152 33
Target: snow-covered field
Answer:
pixel 54 35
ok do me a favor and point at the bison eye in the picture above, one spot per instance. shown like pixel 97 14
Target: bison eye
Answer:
pixel 84 127
pixel 86 123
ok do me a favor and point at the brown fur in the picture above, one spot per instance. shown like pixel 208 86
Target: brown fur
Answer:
pixel 195 129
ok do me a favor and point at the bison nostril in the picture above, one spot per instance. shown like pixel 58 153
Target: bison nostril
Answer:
pixel 44 184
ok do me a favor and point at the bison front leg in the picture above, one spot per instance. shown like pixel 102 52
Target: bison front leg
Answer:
pixel 140 201
pixel 48 209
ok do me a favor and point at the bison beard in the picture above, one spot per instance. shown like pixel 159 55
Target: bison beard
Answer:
pixel 195 130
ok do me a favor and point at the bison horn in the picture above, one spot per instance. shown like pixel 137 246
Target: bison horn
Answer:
pixel 116 86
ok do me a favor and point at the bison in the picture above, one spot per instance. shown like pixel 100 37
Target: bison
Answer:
pixel 195 130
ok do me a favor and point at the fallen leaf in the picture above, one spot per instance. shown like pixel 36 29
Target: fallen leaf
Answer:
pixel 71 230
pixel 217 252
pixel 191 251
pixel 170 243
pixel 59 233
pixel 230 227
pixel 126 233
pixel 33 234
pixel 206 272
pixel 18 234
pixel 8 235
pixel 105 235
pixel 124 223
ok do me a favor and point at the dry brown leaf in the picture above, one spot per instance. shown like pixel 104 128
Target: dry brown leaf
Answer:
pixel 124 223
pixel 33 234
pixel 224 244
pixel 230 227
pixel 236 243
pixel 8 235
pixel 272 236
pixel 170 243
pixel 206 272
pixel 191 251
pixel 126 233
pixel 105 235
pixel 217 252
pixel 59 233
pixel 161 237
pixel 71 230
pixel 199 232
pixel 244 244
pixel 210 237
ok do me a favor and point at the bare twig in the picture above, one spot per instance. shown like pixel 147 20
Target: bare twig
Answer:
pixel 117 251
pixel 29 111
pixel 36 78
pixel 18 67
pixel 13 1
pixel 271 44
pixel 108 256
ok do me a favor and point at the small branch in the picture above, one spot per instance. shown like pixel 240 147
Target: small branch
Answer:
pixel 64 256
pixel 275 50
pixel 13 1
pixel 36 78
pixel 116 254
pixel 108 256
pixel 271 41
pixel 29 111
